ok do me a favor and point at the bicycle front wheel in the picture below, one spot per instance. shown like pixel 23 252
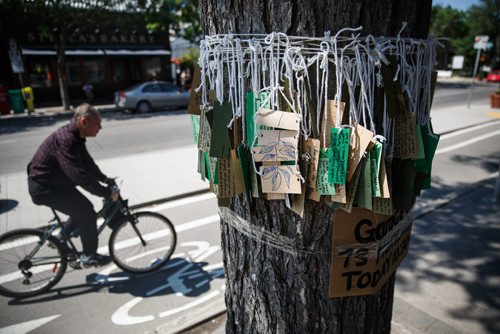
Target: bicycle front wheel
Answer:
pixel 143 244
pixel 30 263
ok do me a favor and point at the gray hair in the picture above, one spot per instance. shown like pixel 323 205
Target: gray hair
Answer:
pixel 85 110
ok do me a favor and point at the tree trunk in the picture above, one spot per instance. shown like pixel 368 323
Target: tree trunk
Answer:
pixel 270 290
pixel 61 70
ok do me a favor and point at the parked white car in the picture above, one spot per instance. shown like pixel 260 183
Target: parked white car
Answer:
pixel 150 95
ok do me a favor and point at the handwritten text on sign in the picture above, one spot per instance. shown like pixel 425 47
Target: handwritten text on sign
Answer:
pixel 367 249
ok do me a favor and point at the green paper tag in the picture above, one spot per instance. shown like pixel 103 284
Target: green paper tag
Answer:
pixel 195 124
pixel 243 155
pixel 339 155
pixel 220 143
pixel 324 187
pixel 253 103
pixel 419 159
pixel 364 191
pixel 375 157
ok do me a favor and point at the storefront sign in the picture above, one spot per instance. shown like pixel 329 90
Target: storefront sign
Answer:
pixel 367 249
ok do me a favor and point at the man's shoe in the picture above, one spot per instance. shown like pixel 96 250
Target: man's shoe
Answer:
pixel 94 260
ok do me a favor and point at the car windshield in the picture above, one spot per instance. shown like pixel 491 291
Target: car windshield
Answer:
pixel 133 87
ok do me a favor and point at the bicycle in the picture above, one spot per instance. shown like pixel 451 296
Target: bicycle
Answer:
pixel 32 261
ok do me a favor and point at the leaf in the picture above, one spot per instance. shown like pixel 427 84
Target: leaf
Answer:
pixel 287 177
pixel 270 156
pixel 285 151
pixel 266 149
pixel 276 180
pixel 268 171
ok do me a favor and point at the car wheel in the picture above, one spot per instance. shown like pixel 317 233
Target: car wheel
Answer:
pixel 143 107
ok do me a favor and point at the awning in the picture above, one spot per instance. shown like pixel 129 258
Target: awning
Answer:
pixel 97 52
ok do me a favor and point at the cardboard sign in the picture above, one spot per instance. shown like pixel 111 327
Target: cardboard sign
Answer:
pixel 311 148
pixel 239 179
pixel 405 137
pixel 278 119
pixel 225 178
pixel 367 248
pixel 383 180
pixel 280 179
pixel 360 139
pixel 204 134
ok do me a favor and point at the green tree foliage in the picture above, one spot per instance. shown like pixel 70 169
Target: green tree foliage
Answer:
pixel 460 27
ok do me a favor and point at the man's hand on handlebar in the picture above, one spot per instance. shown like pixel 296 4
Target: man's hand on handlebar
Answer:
pixel 115 192
pixel 114 195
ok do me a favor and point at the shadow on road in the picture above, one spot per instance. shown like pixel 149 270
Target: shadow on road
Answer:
pixel 7 205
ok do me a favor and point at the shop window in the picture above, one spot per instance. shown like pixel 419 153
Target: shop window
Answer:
pixel 94 71
pixel 119 71
pixel 39 73
pixel 73 72
pixel 153 68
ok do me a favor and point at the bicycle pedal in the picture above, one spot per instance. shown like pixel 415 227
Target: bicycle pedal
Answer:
pixel 75 265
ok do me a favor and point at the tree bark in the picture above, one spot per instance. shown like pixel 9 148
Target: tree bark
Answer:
pixel 269 290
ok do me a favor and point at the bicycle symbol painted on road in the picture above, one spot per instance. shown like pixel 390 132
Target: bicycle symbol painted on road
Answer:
pixel 190 280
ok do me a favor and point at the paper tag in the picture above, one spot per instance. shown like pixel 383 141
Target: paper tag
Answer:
pixel 337 164
pixel 375 157
pixel 311 148
pixel 314 196
pixel 280 179
pixel 333 120
pixel 267 137
pixel 278 119
pixel 298 200
pixel 220 143
pixel 360 138
pixel 243 158
pixel 383 180
pixel 340 194
pixel 204 134
pixel 194 97
pixel 253 102
pixel 364 191
pixel 239 182
pixel 430 141
pixel 323 186
pixel 226 177
pixel 285 152
pixel 383 206
pixel 352 186
pixel 405 137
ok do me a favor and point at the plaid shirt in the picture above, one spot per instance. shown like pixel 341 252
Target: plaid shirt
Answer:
pixel 63 161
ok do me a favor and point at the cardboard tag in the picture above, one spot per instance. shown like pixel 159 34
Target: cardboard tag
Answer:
pixel 298 200
pixel 226 177
pixel 201 165
pixel 383 180
pixel 339 146
pixel 375 157
pixel 244 160
pixel 204 136
pixel 382 206
pixel 396 104
pixel 278 119
pixel 285 152
pixel 364 190
pixel 239 182
pixel 280 179
pixel 360 138
pixel 268 137
pixel 220 143
pixel 334 116
pixel 405 137
pixel 311 148
pixel 323 186
pixel 352 186
pixel 195 98
pixel 314 196
pixel 340 194
pixel 253 102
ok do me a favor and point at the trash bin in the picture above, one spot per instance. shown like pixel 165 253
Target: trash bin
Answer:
pixel 29 98
pixel 4 101
pixel 16 100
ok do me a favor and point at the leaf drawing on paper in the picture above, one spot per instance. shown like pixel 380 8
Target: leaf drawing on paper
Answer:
pixel 287 176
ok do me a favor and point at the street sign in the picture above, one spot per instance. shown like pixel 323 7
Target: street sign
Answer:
pixel 481 42
pixel 457 62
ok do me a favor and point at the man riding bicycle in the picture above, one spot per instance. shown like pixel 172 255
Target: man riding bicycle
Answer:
pixel 61 163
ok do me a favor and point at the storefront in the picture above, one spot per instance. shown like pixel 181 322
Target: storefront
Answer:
pixel 107 60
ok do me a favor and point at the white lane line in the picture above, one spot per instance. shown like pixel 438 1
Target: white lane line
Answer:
pixel 198 301
pixel 467 142
pixel 473 128
pixel 28 326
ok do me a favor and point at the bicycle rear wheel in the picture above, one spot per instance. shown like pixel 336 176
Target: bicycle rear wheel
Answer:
pixel 30 263
pixel 143 245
